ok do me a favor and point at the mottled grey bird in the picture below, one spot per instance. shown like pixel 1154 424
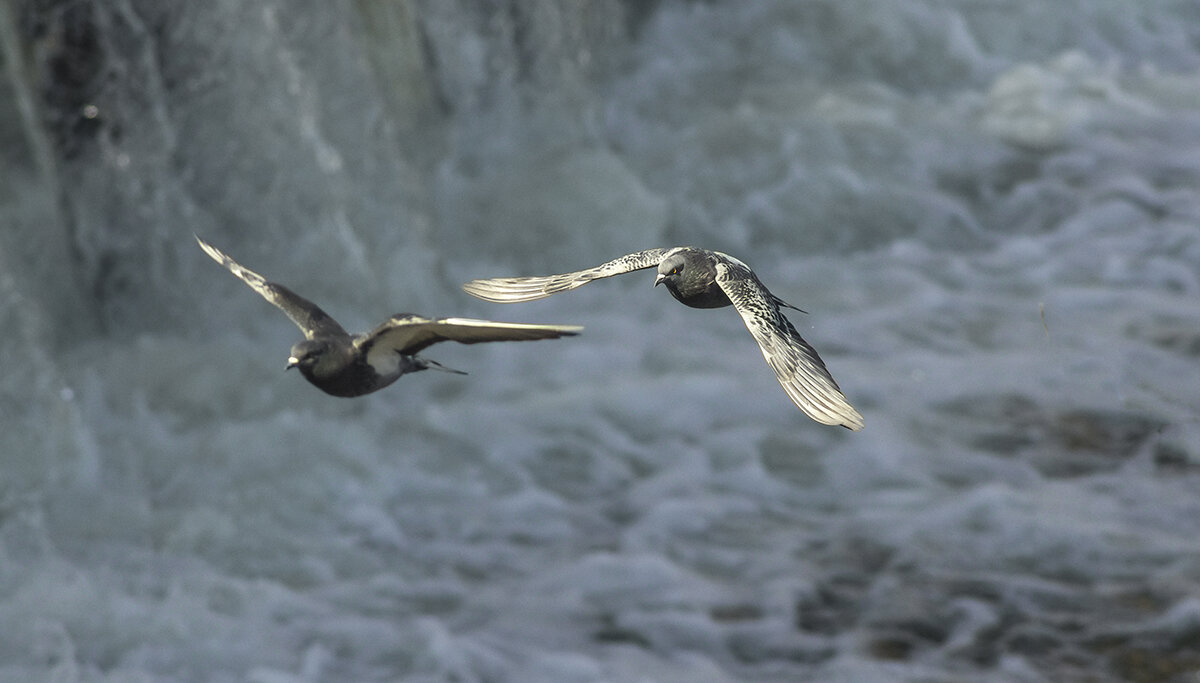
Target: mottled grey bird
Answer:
pixel 709 279
pixel 352 365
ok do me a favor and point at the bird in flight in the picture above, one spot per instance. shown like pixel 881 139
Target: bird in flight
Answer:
pixel 701 278
pixel 342 364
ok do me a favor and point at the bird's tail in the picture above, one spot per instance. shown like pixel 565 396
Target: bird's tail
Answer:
pixel 434 365
pixel 785 304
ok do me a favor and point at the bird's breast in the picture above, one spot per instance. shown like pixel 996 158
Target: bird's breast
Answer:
pixel 355 379
pixel 711 296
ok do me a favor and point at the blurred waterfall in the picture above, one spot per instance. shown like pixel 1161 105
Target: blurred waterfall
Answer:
pixel 310 130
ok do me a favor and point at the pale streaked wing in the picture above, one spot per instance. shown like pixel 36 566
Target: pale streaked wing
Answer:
pixel 509 290
pixel 308 316
pixel 797 366
pixel 409 334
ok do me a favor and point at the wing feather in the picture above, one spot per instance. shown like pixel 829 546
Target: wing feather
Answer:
pixel 799 369
pixel 408 334
pixel 308 316
pixel 516 289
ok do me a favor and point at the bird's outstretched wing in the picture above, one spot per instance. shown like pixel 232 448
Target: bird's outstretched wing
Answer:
pixel 507 290
pixel 408 334
pixel 799 369
pixel 308 316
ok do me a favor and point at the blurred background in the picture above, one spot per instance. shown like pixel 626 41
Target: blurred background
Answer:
pixel 989 209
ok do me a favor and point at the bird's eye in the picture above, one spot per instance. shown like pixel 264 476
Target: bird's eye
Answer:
pixel 675 270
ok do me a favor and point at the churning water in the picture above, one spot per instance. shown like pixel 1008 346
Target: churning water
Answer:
pixel 990 209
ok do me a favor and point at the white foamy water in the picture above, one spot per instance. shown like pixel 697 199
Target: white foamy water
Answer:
pixel 990 211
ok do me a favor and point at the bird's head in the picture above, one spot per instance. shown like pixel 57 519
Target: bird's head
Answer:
pixel 307 354
pixel 670 270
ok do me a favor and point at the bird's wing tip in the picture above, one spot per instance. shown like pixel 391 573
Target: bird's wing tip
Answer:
pixel 214 253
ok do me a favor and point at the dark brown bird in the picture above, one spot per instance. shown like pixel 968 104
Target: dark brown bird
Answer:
pixel 342 364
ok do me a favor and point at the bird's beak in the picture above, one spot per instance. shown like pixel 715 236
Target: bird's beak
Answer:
pixel 658 279
pixel 292 362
